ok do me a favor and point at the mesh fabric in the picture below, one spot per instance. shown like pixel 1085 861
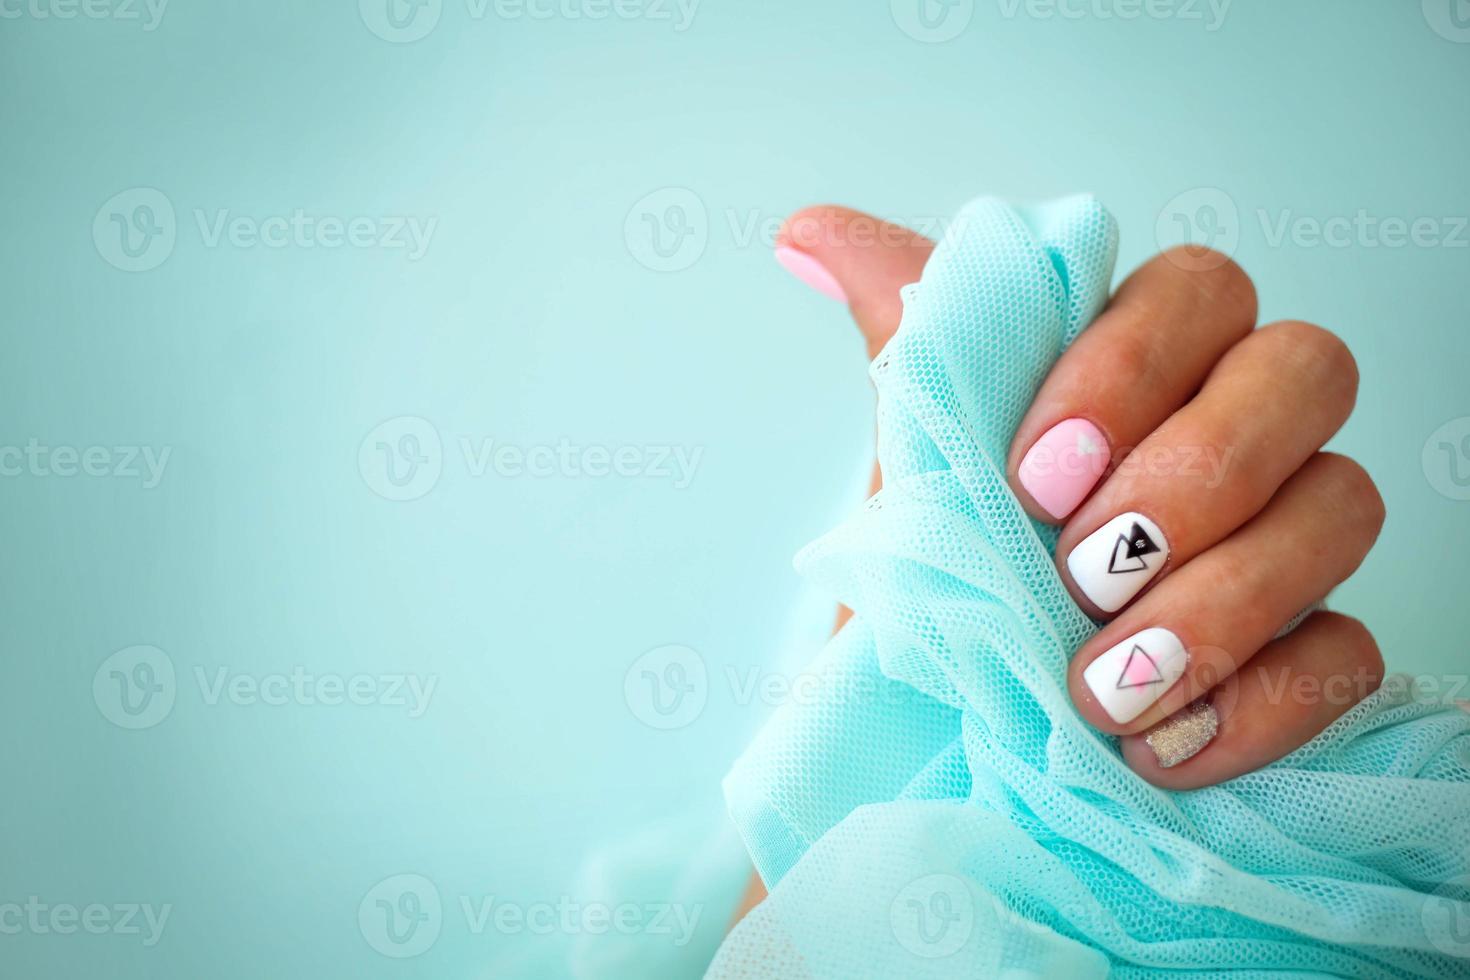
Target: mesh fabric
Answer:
pixel 939 809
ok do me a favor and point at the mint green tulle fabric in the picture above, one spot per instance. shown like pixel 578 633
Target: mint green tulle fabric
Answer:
pixel 938 809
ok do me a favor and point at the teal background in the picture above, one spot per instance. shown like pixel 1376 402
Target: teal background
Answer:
pixel 538 313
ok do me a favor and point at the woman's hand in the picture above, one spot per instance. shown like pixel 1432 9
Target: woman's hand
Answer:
pixel 1179 448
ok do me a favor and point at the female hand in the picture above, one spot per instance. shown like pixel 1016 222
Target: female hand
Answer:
pixel 1178 445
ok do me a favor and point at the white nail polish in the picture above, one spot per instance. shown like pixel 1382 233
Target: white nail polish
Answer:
pixel 1134 674
pixel 1112 563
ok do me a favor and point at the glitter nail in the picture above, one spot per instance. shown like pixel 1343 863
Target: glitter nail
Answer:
pixel 1181 737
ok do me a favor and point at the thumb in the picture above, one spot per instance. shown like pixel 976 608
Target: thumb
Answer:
pixel 857 259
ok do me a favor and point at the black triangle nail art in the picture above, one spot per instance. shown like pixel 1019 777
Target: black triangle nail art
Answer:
pixel 1129 551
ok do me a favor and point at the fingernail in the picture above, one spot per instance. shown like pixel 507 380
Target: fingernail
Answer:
pixel 1134 674
pixel 810 271
pixel 1112 563
pixel 1064 465
pixel 1182 736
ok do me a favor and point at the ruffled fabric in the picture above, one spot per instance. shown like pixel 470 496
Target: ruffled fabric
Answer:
pixel 937 808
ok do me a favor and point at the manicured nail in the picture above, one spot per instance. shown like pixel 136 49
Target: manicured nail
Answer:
pixel 810 271
pixel 1181 737
pixel 1064 465
pixel 1112 563
pixel 1135 673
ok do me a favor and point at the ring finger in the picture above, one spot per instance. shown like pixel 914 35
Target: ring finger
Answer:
pixel 1291 691
pixel 1200 626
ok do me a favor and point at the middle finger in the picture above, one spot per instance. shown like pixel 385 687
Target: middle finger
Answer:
pixel 1268 405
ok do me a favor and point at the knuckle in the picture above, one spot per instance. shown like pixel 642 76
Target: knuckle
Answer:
pixel 1318 353
pixel 1341 663
pixel 1355 492
pixel 1232 579
pixel 1230 284
pixel 1358 646
pixel 1128 362
pixel 1219 278
pixel 1221 463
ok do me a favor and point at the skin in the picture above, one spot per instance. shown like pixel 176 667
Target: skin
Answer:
pixel 1176 369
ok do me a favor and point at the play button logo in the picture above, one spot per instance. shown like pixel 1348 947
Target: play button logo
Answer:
pixel 1130 551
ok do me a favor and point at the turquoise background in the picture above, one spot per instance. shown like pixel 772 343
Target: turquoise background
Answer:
pixel 541 311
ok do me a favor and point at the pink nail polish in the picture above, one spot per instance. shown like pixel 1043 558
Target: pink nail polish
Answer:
pixel 810 271
pixel 1064 465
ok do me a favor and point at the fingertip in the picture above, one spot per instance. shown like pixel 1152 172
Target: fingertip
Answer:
pixel 1193 772
pixel 811 228
pixel 855 258
pixel 807 269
